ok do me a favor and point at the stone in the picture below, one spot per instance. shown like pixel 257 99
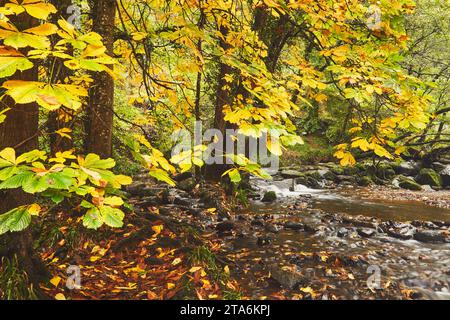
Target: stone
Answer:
pixel 289 174
pixel 187 184
pixel 385 171
pixel 343 232
pixel 269 196
pixel 429 236
pixel 438 167
pixel 364 181
pixel 366 232
pixel 408 168
pixel 287 276
pixel 429 177
pixel 404 232
pixel 264 240
pixel 271 228
pixel 294 226
pixel 409 184
pixel 445 176
pixel 427 188
pixel 329 175
pixel 225 226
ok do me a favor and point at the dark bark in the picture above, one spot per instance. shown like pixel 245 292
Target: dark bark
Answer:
pixel 100 115
pixel 61 72
pixel 223 98
pixel 20 131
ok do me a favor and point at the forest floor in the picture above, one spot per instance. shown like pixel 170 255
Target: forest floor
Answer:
pixel 198 248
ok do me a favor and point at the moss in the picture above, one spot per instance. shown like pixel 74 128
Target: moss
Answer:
pixel 409 184
pixel 269 196
pixel 364 181
pixel 429 177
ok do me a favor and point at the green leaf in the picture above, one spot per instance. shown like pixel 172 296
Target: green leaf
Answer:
pixel 35 185
pixel 9 65
pixel 17 180
pixel 162 175
pixel 15 220
pixel 113 217
pixel 7 173
pixel 93 219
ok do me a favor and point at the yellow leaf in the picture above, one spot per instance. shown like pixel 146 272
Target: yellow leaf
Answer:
pixel 194 269
pixel 64 133
pixel 60 296
pixel 170 286
pixel 34 209
pixel 113 201
pixel 55 281
pixel 9 154
pixel 176 261
pixel 157 229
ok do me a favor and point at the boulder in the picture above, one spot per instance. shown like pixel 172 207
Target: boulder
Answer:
pixel 364 181
pixel 438 167
pixel 289 174
pixel 408 168
pixel 308 181
pixel 366 232
pixel 385 171
pixel 187 184
pixel 445 176
pixel 269 196
pixel 409 184
pixel 429 177
pixel 430 236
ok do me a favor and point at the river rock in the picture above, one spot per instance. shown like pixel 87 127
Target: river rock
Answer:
pixel 409 168
pixel 269 196
pixel 438 167
pixel 294 226
pixel 428 176
pixel 366 232
pixel 385 171
pixel 445 176
pixel 288 276
pixel 264 240
pixel 401 231
pixel 269 227
pixel 409 184
pixel 289 174
pixel 343 232
pixel 430 236
pixel 364 181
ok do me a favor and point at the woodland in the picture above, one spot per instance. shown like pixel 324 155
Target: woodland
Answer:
pixel 121 175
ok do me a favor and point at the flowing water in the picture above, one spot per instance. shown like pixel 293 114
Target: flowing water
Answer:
pixel 425 267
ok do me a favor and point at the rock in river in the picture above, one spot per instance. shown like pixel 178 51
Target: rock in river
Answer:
pixel 430 236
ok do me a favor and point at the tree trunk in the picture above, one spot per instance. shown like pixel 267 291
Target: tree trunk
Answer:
pixel 20 131
pixel 56 118
pixel 223 98
pixel 100 114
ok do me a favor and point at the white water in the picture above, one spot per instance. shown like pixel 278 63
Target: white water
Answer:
pixel 284 189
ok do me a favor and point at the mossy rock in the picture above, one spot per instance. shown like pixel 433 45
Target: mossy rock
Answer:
pixel 385 171
pixel 429 177
pixel 315 175
pixel 337 170
pixel 351 171
pixel 364 181
pixel 409 184
pixel 330 176
pixel 269 196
